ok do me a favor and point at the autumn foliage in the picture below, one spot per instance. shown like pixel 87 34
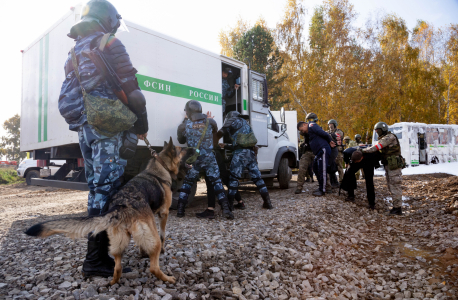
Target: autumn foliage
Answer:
pixel 360 76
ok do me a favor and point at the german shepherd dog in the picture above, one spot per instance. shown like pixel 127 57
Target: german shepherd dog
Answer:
pixel 131 212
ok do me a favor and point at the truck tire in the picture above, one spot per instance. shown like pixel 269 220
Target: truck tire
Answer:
pixel 176 194
pixel 31 174
pixel 284 173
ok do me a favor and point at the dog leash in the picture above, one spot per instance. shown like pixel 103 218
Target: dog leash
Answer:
pixel 154 154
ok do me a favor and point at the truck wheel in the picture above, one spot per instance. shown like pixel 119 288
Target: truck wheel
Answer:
pixel 176 194
pixel 269 181
pixel 31 174
pixel 284 173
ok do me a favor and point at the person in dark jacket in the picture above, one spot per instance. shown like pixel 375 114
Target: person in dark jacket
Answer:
pixel 355 160
pixel 321 143
pixel 102 161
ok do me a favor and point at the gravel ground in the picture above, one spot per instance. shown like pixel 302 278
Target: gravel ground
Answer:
pixel 306 248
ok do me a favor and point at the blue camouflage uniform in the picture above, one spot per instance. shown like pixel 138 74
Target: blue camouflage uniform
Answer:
pixel 228 92
pixel 102 163
pixel 242 157
pixel 190 132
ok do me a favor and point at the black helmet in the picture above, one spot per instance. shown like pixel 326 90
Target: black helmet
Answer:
pixel 101 12
pixel 311 117
pixel 192 107
pixel 381 125
pixel 332 121
pixel 357 136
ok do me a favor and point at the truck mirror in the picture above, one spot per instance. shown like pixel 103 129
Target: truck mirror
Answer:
pixel 283 127
pixel 282 115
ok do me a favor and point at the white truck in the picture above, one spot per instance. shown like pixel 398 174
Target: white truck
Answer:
pixel 426 143
pixel 170 73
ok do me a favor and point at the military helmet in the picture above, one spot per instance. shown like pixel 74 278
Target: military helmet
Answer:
pixel 311 117
pixel 101 12
pixel 347 138
pixel 192 107
pixel 332 121
pixel 381 125
pixel 357 136
pixel 232 114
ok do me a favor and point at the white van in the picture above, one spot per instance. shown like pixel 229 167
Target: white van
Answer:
pixel 170 73
pixel 426 143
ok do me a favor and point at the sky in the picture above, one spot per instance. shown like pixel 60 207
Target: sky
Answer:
pixel 197 22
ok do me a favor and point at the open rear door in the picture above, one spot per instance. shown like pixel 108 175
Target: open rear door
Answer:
pixel 258 106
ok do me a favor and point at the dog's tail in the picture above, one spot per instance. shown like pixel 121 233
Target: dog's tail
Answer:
pixel 77 227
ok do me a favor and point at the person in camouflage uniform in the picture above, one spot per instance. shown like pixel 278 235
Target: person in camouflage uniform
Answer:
pixel 388 145
pixel 190 131
pixel 242 157
pixel 346 142
pixel 339 134
pixel 103 164
pixel 306 160
pixel 228 91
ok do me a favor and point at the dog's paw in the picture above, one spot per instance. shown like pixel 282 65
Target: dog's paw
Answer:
pixel 171 279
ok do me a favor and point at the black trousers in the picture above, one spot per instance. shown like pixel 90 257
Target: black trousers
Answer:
pixel 224 175
pixel 369 178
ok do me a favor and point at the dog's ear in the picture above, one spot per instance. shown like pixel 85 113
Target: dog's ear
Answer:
pixel 165 144
pixel 169 146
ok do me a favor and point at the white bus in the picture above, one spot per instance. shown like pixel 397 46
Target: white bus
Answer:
pixel 426 143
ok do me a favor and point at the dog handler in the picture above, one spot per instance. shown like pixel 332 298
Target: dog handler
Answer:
pixel 102 162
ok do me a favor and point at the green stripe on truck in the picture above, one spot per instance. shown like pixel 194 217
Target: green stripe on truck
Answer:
pixel 164 87
pixel 45 89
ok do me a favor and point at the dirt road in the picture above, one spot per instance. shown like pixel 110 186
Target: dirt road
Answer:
pixel 306 248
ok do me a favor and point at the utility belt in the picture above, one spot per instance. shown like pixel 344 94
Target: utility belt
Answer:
pixel 240 147
pixel 394 162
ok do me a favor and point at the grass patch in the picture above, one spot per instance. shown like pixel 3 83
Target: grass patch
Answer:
pixel 9 176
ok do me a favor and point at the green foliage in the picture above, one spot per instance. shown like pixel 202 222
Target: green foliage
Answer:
pixel 257 48
pixel 9 176
pixel 10 144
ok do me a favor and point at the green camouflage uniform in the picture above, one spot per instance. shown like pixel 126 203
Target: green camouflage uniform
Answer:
pixel 341 148
pixel 388 145
pixel 306 160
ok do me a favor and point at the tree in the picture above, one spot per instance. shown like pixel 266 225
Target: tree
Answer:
pixel 10 145
pixel 257 48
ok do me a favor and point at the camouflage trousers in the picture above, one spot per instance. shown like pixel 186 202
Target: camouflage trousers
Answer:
pixel 102 163
pixel 241 159
pixel 304 163
pixel 394 182
pixel 339 162
pixel 206 162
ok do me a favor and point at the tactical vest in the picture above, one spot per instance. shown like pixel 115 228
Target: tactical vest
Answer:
pixel 241 128
pixel 391 150
pixel 194 130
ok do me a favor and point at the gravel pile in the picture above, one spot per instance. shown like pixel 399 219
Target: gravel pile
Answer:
pixel 306 248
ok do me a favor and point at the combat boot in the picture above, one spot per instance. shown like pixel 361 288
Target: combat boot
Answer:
pixel 350 199
pixel 318 193
pixel 396 211
pixel 230 201
pixel 240 206
pixel 180 209
pixel 227 213
pixel 267 204
pixel 298 191
pixel 207 214
pixel 98 262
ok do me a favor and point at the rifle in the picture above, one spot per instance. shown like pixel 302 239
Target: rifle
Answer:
pixel 101 63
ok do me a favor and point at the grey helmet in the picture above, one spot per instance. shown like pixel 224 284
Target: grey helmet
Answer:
pixel 382 126
pixel 357 136
pixel 97 12
pixel 311 117
pixel 230 118
pixel 193 107
pixel 332 121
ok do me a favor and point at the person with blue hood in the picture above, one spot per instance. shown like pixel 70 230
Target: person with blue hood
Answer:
pixel 321 143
